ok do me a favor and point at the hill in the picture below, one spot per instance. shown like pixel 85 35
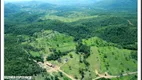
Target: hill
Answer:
pixel 67 42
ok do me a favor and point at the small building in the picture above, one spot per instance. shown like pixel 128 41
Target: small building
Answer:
pixel 66 60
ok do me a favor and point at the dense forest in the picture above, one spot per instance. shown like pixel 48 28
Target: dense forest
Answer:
pixel 77 37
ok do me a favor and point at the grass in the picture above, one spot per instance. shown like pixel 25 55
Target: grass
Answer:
pixel 48 39
pixel 74 64
pixel 35 54
pixel 68 19
pixel 105 57
pixel 94 59
pixel 71 16
pixel 129 77
pixel 119 60
pixel 95 41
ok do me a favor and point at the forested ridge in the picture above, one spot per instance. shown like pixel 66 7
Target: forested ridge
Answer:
pixel 106 29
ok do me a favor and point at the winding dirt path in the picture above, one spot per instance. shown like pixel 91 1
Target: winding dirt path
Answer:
pixel 130 22
pixel 107 76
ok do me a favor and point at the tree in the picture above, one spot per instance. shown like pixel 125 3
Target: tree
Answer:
pixel 133 55
pixel 70 68
pixel 80 59
pixel 86 63
pixel 76 77
pixel 61 74
pixel 57 45
pixel 71 56
pixel 83 48
pixel 56 77
pixel 105 56
pixel 47 78
pixel 18 63
pixel 81 71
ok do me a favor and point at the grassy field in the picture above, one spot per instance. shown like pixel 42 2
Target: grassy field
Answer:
pixel 47 40
pixel 116 61
pixel 70 18
pixel 129 77
pixel 107 58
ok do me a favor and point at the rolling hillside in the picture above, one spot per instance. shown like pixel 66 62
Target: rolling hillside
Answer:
pixel 92 41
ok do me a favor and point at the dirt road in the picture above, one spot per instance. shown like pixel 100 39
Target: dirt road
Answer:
pixel 107 76
pixel 130 22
